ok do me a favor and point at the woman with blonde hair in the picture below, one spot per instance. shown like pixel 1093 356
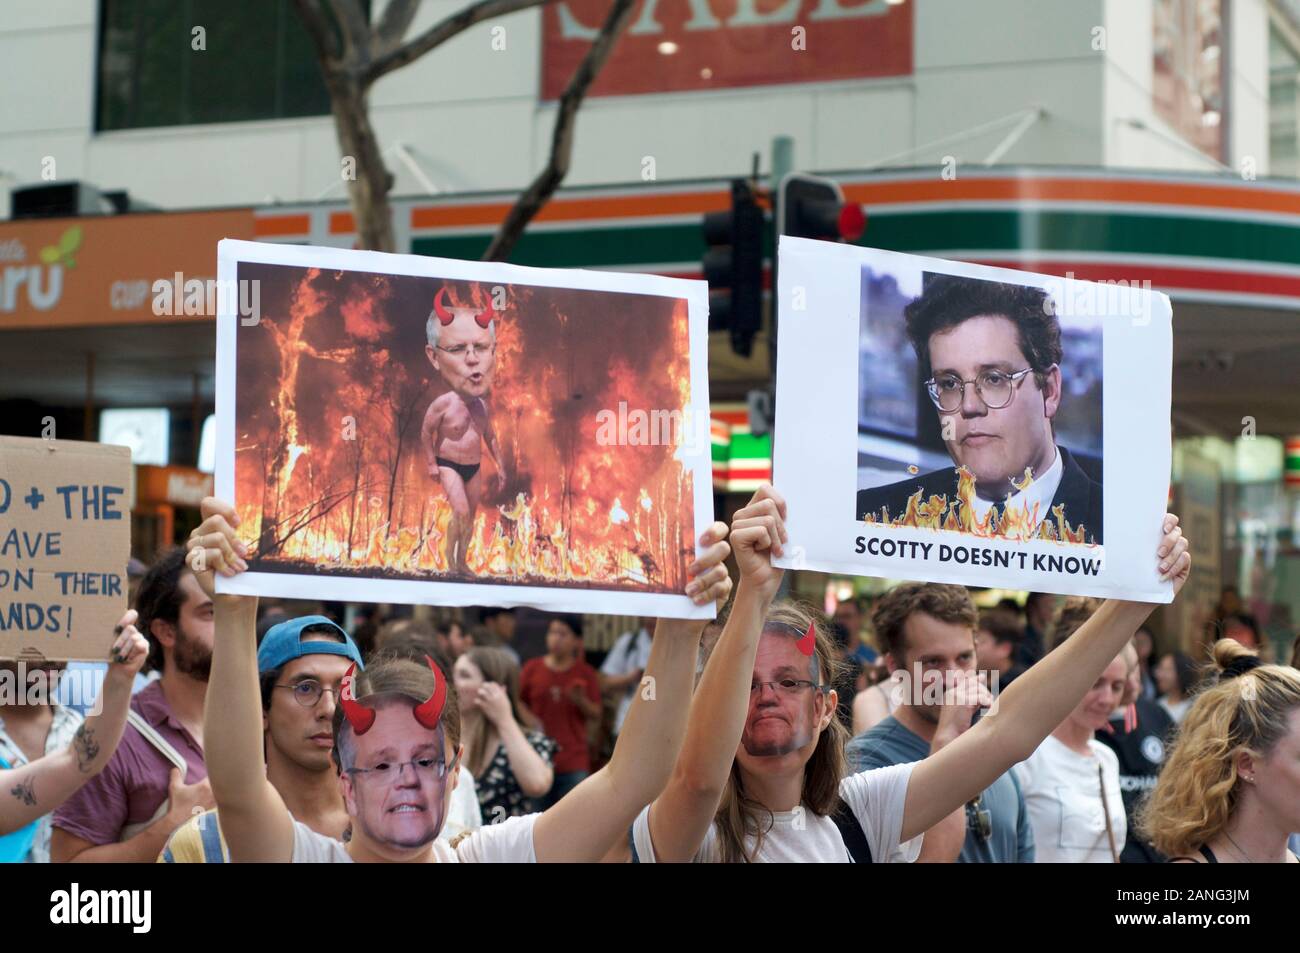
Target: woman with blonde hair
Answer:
pixel 1230 789
pixel 761 775
pixel 505 749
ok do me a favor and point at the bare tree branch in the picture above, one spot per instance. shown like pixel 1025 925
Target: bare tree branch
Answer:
pixel 386 35
pixel 549 179
pixel 327 47
pixel 356 32
pixel 442 31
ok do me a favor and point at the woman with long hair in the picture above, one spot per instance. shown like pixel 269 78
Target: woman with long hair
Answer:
pixel 1230 789
pixel 761 776
pixel 505 750
pixel 1176 679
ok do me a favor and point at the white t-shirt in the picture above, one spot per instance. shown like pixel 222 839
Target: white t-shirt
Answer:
pixel 877 798
pixel 630 653
pixel 465 814
pixel 1175 710
pixel 1063 798
pixel 510 842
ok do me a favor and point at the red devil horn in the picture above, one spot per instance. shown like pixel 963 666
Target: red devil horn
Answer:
pixel 444 315
pixel 808 644
pixel 484 317
pixel 358 715
pixel 429 711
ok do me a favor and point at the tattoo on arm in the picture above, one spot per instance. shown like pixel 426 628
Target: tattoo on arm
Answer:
pixel 86 747
pixel 23 791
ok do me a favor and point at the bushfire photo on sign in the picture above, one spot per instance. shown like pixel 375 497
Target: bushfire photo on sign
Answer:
pixel 421 430
pixel 967 421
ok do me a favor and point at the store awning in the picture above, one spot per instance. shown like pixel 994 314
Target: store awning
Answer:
pixel 741 461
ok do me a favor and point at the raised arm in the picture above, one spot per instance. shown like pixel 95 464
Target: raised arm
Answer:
pixel 593 816
pixel 1035 703
pixel 256 824
pixel 681 815
pixel 35 789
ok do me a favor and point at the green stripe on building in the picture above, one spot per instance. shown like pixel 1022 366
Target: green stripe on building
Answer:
pixel 1044 231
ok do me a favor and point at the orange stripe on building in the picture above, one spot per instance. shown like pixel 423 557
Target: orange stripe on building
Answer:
pixel 1034 189
pixel 341 223
pixel 560 209
pixel 267 225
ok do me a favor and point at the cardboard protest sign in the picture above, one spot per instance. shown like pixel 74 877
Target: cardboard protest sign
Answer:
pixel 65 538
pixel 952 422
pixel 396 428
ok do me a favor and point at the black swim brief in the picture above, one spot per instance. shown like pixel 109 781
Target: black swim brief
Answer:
pixel 466 470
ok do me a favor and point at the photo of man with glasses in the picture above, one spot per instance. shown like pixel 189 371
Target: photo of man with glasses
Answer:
pixel 989 356
pixel 462 349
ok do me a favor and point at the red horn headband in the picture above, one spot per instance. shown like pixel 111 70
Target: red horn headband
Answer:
pixel 446 315
pixel 362 717
pixel 808 644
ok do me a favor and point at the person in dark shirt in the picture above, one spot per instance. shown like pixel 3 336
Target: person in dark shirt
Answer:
pixel 1139 737
pixel 1040 607
pixel 996 642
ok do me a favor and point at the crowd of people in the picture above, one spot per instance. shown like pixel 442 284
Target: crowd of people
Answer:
pixel 915 728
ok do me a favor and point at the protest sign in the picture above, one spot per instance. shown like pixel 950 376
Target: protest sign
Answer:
pixel 396 428
pixel 966 414
pixel 65 538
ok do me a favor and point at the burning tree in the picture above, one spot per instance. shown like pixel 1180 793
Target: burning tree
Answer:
pixel 353 54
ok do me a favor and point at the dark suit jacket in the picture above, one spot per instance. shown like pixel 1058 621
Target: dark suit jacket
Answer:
pixel 1080 494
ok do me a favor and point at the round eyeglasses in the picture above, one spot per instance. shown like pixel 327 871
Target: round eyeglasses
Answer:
pixel 995 388
pixel 308 692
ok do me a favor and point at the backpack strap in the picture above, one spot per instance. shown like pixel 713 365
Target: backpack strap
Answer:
pixel 152 736
pixel 855 839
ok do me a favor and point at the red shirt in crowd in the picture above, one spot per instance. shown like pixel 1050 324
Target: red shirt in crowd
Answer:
pixel 546 693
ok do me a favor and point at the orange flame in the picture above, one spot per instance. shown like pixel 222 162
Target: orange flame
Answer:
pixel 1018 522
pixel 330 469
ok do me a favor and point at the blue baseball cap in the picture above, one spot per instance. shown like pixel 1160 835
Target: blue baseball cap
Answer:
pixel 283 643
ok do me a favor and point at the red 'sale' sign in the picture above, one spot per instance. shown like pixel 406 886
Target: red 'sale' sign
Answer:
pixel 710 44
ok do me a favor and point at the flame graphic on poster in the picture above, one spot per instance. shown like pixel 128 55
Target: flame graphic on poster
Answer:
pixel 1018 522
pixel 330 472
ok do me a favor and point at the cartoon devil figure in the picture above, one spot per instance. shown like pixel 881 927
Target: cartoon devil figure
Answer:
pixel 457 426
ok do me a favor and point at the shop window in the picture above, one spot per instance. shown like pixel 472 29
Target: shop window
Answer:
pixel 189 62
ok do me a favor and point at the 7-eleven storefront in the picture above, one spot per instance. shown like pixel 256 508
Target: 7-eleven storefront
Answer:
pixel 1226 250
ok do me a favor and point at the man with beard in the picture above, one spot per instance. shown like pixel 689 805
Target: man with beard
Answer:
pixel 462 349
pixel 127 812
pixel 928 631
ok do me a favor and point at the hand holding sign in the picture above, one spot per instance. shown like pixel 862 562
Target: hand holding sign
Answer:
pixel 1175 560
pixel 129 650
pixel 757 534
pixel 213 546
pixel 710 581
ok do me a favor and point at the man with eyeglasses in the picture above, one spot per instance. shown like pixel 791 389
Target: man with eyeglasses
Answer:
pixel 990 356
pixel 462 349
pixel 928 631
pixel 300 664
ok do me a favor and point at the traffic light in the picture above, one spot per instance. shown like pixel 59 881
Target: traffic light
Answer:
pixel 733 267
pixel 811 207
